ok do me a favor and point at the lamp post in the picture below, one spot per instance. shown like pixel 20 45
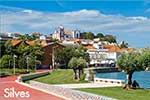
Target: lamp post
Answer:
pixel 27 58
pixel 14 67
pixel 53 56
pixel 9 63
pixel 35 63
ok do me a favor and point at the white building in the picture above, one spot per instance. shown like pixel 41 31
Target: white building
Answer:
pixel 105 54
pixel 62 34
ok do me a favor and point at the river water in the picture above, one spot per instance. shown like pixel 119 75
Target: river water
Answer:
pixel 142 77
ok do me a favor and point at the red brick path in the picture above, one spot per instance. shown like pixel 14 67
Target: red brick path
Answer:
pixel 9 82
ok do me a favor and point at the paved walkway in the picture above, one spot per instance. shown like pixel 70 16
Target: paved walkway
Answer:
pixel 69 94
pixel 9 82
pixel 87 85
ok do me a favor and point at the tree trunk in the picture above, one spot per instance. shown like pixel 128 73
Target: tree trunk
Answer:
pixel 129 80
pixel 79 73
pixel 82 71
pixel 75 73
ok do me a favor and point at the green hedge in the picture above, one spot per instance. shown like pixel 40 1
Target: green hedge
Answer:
pixel 4 74
pixel 9 71
pixel 32 76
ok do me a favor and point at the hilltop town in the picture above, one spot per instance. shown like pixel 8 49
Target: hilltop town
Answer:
pixel 103 49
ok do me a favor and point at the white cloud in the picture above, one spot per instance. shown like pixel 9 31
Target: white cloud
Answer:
pixel 83 12
pixel 24 21
pixel 138 18
pixel 27 11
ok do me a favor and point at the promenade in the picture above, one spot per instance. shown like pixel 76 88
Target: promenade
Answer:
pixel 38 91
pixel 9 82
pixel 67 93
pixel 87 85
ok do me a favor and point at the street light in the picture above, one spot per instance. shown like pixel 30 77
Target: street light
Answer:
pixel 27 58
pixel 35 63
pixel 53 56
pixel 14 67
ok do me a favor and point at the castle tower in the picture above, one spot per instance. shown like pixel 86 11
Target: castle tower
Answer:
pixel 61 32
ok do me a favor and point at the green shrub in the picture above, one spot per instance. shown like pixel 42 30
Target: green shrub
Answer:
pixel 4 74
pixel 82 78
pixel 17 71
pixel 91 75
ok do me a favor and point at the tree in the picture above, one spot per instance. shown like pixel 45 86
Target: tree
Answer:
pixel 110 39
pixel 73 63
pixel 6 61
pixel 25 37
pixel 9 48
pixel 34 37
pixel 64 56
pixel 87 35
pixel 124 45
pixel 81 64
pixel 99 35
pixel 145 58
pixel 129 63
pixel 24 51
pixel 22 62
pixel 80 52
pixel 2 49
pixel 77 64
pixel 36 51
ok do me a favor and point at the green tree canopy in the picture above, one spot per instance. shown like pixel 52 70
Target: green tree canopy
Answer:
pixel 73 63
pixel 6 61
pixel 145 58
pixel 110 39
pixel 9 48
pixel 82 62
pixel 64 56
pixel 87 35
pixel 22 51
pixel 100 35
pixel 129 63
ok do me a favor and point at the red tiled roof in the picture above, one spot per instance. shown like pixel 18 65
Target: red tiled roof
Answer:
pixel 43 43
pixel 115 48
pixel 90 47
pixel 36 33
pixel 30 42
pixel 68 31
pixel 15 42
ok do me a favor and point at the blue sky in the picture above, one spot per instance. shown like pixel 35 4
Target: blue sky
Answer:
pixel 128 20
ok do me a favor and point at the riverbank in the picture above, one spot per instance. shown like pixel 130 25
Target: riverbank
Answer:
pixel 119 93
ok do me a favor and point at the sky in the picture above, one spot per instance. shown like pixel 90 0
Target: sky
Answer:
pixel 128 20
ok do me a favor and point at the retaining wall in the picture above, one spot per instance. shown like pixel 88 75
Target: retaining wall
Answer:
pixel 110 81
pixel 26 77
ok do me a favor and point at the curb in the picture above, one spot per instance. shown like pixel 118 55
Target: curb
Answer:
pixel 27 85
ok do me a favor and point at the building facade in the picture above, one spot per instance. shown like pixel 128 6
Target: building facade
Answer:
pixel 61 34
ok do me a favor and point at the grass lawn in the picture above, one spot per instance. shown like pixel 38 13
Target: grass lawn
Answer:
pixel 119 93
pixel 60 76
